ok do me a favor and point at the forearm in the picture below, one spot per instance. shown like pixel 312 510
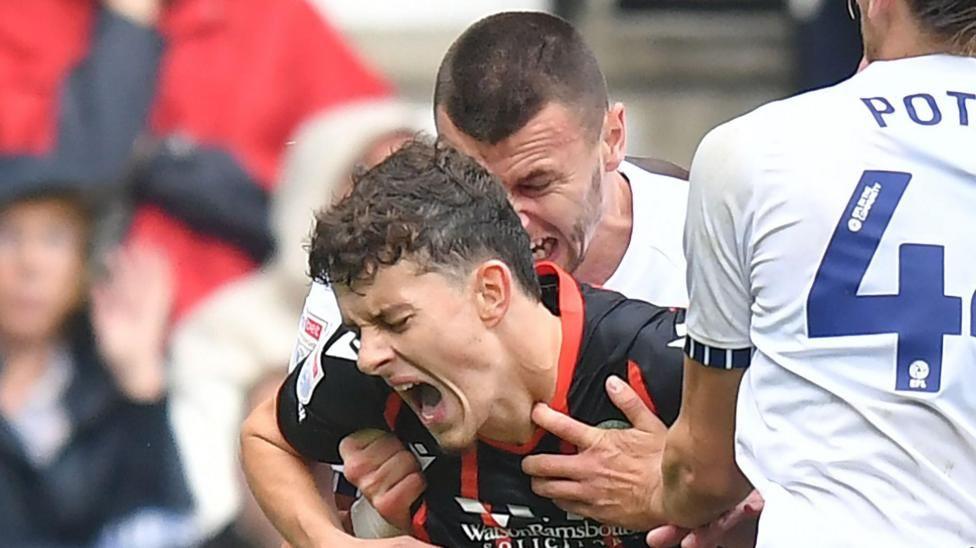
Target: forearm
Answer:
pixel 284 486
pixel 106 99
pixel 698 486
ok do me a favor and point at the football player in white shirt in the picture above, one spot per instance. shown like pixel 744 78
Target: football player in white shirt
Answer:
pixel 830 246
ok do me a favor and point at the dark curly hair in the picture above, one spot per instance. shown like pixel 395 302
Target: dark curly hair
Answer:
pixel 426 202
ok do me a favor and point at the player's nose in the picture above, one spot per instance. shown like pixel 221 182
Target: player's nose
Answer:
pixel 375 352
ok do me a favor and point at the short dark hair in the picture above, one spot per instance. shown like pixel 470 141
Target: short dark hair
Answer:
pixel 426 202
pixel 506 67
pixel 950 21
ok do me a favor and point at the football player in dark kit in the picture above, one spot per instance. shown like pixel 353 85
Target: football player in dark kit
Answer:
pixel 461 335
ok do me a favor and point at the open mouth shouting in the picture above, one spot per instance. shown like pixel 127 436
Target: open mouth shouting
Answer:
pixel 542 248
pixel 424 398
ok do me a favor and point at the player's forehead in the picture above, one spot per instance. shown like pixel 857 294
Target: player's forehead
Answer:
pixel 542 147
pixel 396 289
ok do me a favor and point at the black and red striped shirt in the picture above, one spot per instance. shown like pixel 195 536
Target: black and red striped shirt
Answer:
pixel 481 497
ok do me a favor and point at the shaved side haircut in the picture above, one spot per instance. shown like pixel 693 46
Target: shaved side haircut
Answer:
pixel 506 67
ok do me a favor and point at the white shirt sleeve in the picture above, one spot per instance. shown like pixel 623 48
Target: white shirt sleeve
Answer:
pixel 717 249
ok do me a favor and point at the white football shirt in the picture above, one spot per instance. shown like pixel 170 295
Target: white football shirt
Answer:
pixel 831 239
pixel 653 267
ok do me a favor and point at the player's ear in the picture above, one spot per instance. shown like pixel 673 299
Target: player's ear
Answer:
pixel 614 137
pixel 876 9
pixel 492 291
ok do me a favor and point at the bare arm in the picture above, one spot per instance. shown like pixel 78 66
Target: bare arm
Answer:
pixel 283 484
pixel 701 479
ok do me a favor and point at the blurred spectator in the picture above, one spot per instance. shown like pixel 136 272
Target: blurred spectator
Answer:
pixel 76 85
pixel 828 43
pixel 236 80
pixel 247 328
pixel 86 453
pixel 251 529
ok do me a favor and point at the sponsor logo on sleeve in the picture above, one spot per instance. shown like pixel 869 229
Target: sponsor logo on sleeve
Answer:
pixel 309 334
pixel 310 376
pixel 312 328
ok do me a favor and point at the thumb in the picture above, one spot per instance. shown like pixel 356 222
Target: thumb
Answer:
pixel 627 401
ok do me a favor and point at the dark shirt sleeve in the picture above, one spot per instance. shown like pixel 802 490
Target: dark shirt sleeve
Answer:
pixel 103 106
pixel 318 406
pixel 658 355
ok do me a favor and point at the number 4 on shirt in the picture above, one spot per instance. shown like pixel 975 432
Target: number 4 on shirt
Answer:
pixel 920 313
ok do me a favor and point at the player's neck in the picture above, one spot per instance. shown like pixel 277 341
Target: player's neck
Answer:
pixel 534 338
pixel 904 39
pixel 612 235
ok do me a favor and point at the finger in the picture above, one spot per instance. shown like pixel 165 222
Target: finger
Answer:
pixel 749 508
pixel 103 305
pixel 361 464
pixel 555 466
pixel 627 400
pixel 126 277
pixel 394 504
pixel 569 429
pixel 754 503
pixel 391 472
pixel 408 490
pixel 714 533
pixel 357 441
pixel 155 265
pixel 693 540
pixel 108 279
pixel 666 535
pixel 559 489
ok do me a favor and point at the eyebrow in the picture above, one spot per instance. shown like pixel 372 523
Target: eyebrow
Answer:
pixel 391 310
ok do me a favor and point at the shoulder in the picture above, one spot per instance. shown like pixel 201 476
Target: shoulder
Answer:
pixel 319 323
pixel 615 324
pixel 655 182
pixel 653 166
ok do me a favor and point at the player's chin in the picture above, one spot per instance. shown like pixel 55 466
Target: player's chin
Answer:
pixel 455 438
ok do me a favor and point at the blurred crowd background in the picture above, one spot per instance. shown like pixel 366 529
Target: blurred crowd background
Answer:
pixel 160 161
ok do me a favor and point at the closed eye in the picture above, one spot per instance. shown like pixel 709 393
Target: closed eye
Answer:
pixel 534 189
pixel 396 326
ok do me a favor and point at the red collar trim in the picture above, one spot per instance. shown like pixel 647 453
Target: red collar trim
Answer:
pixel 571 317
